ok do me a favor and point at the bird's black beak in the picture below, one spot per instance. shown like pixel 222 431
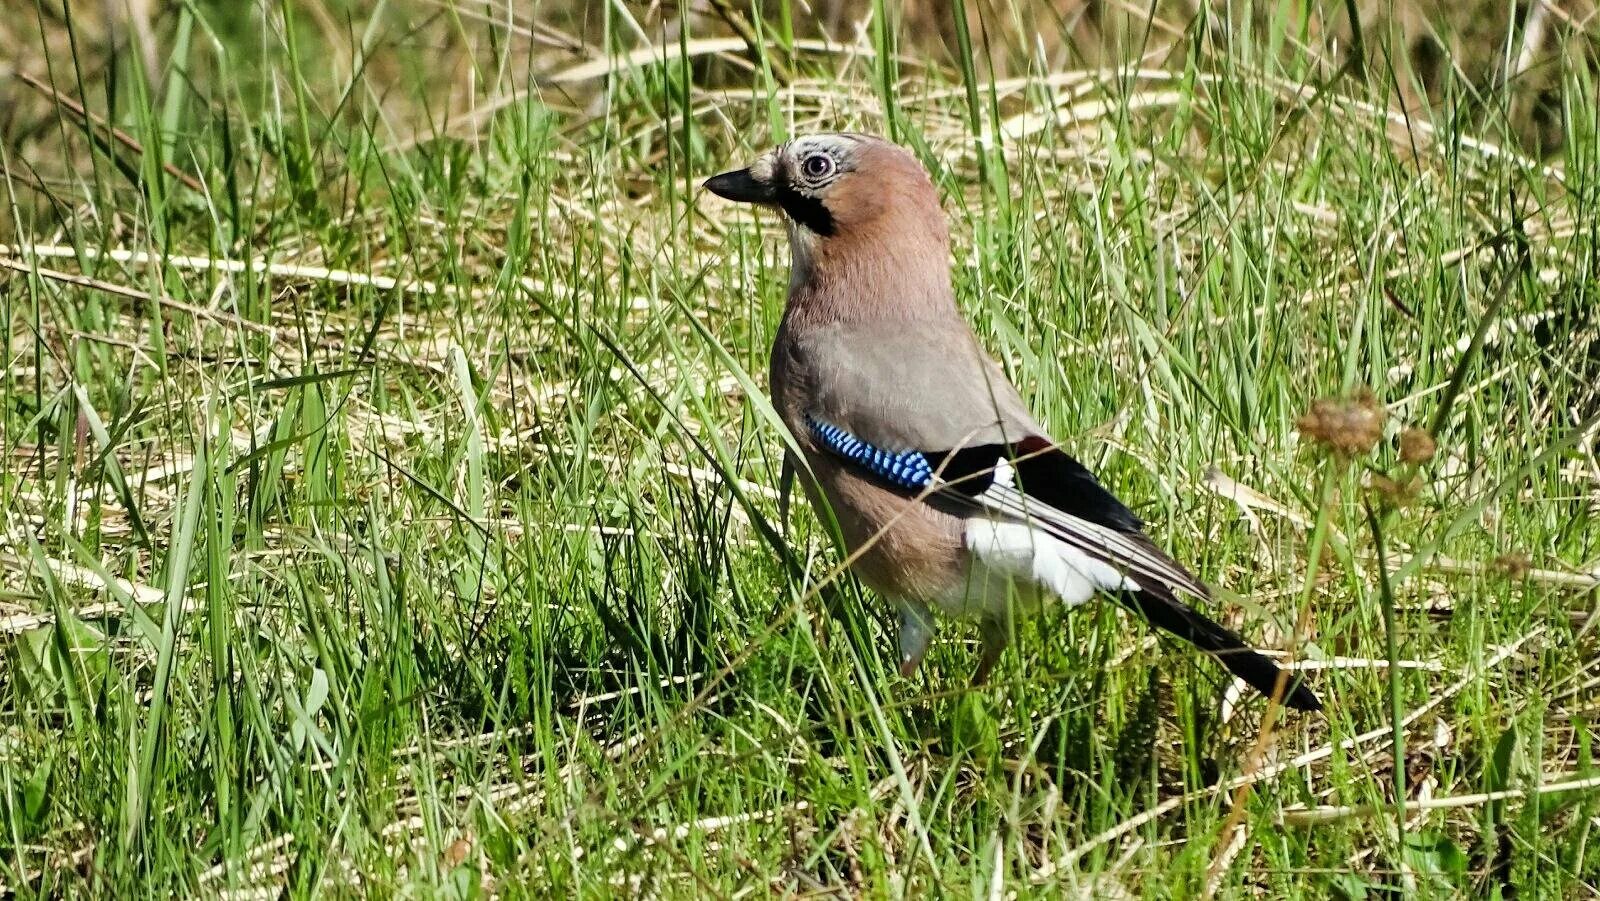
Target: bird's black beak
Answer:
pixel 742 186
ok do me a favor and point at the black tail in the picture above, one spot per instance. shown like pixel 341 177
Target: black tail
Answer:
pixel 1165 611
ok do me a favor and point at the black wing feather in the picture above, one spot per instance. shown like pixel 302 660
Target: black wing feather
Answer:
pixel 1157 604
pixel 1048 475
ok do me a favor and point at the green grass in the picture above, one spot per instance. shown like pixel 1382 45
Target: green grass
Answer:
pixel 396 514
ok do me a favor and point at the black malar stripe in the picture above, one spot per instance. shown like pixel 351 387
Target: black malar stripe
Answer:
pixel 808 211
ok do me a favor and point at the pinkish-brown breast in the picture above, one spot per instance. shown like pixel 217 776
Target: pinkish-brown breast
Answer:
pixel 902 547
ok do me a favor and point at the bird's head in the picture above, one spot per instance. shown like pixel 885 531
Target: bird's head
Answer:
pixel 840 187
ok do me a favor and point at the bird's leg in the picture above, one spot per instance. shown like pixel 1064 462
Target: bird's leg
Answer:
pixel 996 635
pixel 916 630
pixel 785 489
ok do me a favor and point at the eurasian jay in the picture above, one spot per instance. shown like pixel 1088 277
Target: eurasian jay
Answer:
pixel 946 491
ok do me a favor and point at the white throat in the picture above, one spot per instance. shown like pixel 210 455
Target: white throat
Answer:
pixel 802 253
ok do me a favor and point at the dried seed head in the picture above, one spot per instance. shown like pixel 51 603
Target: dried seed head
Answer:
pixel 1395 493
pixel 1348 426
pixel 1514 565
pixel 1417 446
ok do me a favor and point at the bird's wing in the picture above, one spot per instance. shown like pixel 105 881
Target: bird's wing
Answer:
pixel 1066 505
pixel 938 419
pixel 926 399
pixel 1030 481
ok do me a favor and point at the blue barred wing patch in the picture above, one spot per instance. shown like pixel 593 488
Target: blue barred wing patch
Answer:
pixel 903 469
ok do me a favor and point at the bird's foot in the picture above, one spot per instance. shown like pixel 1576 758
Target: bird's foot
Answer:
pixel 916 631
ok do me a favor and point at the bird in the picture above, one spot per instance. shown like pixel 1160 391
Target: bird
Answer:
pixel 950 497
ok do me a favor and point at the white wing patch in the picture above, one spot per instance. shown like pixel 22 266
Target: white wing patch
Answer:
pixel 1078 539
pixel 1025 554
pixel 1004 477
pixel 1020 552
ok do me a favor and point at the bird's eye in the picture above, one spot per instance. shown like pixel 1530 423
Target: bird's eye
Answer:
pixel 817 167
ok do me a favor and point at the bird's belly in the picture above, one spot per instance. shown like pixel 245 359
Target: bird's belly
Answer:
pixel 990 594
pixel 900 546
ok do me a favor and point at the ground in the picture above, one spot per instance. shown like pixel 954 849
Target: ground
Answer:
pixel 388 504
